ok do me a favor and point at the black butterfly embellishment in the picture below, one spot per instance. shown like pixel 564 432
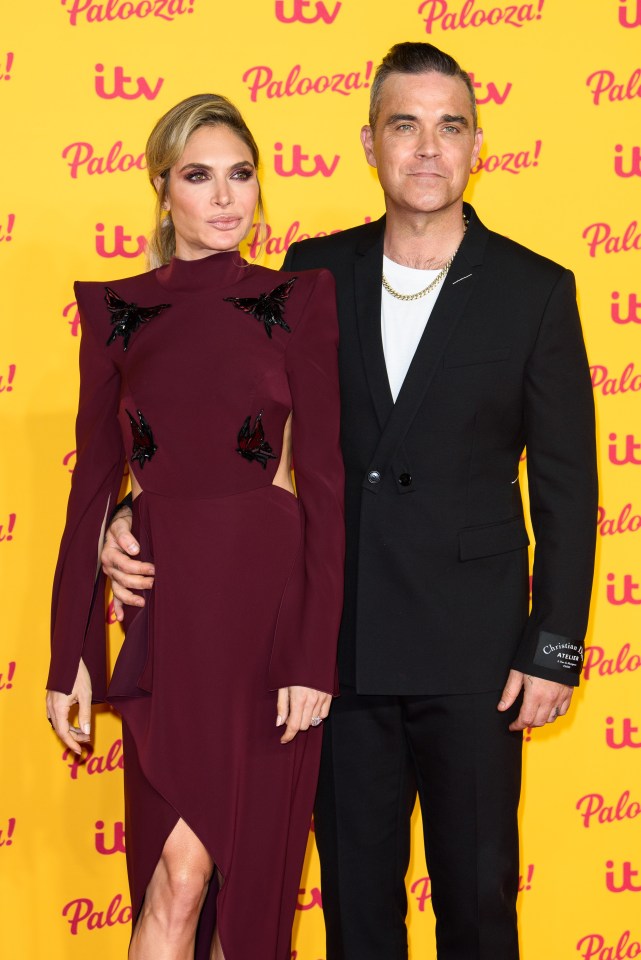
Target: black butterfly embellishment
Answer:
pixel 267 307
pixel 144 446
pixel 252 444
pixel 128 317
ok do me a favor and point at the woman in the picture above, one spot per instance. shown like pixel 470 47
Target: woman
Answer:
pixel 204 373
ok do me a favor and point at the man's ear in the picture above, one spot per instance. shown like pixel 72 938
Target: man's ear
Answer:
pixel 367 139
pixel 478 143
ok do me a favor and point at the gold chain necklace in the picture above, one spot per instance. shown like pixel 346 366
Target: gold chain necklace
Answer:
pixel 431 285
pixel 421 293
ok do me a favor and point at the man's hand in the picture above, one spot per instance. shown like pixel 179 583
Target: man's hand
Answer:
pixel 125 574
pixel 543 700
pixel 297 706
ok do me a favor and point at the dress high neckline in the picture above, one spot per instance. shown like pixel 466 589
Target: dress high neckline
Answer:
pixel 218 268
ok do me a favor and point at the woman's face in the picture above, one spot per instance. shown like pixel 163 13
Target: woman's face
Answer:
pixel 212 193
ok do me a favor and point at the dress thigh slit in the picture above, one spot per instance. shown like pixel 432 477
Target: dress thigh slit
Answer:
pixel 201 741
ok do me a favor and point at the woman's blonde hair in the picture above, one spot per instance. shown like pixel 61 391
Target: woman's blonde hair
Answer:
pixel 166 145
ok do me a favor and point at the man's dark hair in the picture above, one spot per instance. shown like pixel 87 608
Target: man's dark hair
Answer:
pixel 416 58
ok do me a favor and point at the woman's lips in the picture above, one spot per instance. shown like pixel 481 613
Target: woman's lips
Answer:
pixel 224 223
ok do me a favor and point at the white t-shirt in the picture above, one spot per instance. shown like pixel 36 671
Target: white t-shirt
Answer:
pixel 403 321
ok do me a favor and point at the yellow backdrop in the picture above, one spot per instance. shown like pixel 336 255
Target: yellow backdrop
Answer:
pixel 81 84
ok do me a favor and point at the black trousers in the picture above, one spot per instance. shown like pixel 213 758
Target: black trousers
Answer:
pixel 454 751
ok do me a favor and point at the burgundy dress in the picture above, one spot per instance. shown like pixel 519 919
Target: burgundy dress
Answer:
pixel 190 372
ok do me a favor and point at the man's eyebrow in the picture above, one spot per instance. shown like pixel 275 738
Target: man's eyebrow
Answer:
pixel 398 117
pixel 412 118
pixel 450 118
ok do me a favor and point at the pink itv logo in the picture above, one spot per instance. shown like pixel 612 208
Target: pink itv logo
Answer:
pixel 633 314
pixel 124 87
pixel 626 881
pixel 634 162
pixel 628 592
pixel 298 163
pixel 626 735
pixel 115 843
pixel 122 245
pixel 305 11
pixel 630 17
pixel 622 452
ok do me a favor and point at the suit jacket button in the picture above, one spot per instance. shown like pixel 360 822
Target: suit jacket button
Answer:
pixel 405 479
pixel 374 476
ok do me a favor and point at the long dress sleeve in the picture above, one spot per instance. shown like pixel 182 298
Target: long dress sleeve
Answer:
pixel 304 650
pixel 78 614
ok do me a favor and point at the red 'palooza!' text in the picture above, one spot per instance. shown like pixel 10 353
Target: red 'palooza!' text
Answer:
pixel 436 13
pixel 93 763
pixel 82 157
pixel 593 807
pixel 80 913
pixel 594 947
pixel 86 11
pixel 260 81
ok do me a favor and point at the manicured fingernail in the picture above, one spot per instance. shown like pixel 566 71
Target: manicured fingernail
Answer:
pixel 132 548
pixel 279 721
pixel 502 705
pixel 86 728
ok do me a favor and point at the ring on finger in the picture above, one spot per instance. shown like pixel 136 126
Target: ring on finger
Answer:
pixel 316 721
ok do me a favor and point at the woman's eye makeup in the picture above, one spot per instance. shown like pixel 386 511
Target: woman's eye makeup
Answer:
pixel 243 173
pixel 196 176
pixel 199 174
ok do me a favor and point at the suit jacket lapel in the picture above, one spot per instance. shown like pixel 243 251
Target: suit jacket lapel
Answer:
pixel 457 289
pixel 368 267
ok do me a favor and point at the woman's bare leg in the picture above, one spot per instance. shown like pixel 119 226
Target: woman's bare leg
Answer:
pixel 216 948
pixel 166 927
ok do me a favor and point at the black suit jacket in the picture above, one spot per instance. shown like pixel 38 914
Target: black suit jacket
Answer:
pixel 436 587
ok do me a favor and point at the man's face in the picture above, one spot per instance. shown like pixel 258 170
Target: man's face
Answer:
pixel 424 144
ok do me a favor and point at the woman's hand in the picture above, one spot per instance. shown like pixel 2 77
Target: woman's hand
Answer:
pixel 297 706
pixel 59 704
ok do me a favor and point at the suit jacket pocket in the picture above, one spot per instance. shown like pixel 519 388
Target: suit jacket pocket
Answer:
pixel 455 359
pixel 492 538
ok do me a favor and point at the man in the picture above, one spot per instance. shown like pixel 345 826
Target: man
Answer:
pixel 458 349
